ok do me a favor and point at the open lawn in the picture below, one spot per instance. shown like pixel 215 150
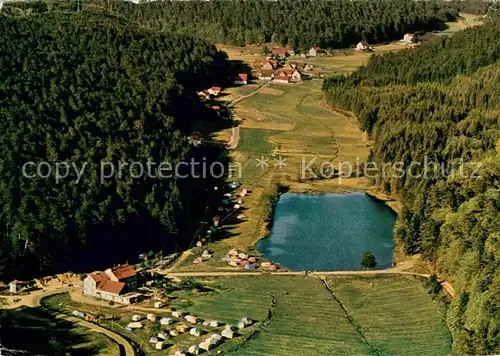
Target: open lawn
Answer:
pixel 299 315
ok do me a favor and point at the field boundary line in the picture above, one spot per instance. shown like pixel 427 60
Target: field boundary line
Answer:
pixel 349 318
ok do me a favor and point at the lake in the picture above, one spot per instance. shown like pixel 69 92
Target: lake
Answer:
pixel 329 232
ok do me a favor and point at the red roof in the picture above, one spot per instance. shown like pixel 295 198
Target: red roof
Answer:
pixel 216 107
pixel 216 88
pixel 123 272
pixel 99 276
pixel 279 51
pixel 266 73
pixel 289 71
pixel 364 43
pixel 111 286
pixel 316 48
pixel 243 76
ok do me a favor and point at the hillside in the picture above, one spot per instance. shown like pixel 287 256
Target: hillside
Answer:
pixel 298 24
pixel 85 93
pixel 434 116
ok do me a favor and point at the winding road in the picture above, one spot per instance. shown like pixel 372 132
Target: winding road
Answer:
pixel 33 300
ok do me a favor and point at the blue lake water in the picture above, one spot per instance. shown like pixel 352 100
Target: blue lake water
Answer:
pixel 329 232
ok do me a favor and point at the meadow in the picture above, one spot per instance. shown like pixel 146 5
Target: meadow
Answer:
pixel 382 315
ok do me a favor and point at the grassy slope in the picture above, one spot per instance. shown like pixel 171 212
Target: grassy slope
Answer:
pixel 394 314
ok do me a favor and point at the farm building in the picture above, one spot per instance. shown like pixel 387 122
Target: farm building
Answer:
pixel 283 79
pixel 242 79
pixel 266 75
pixel 191 318
pixel 158 305
pixel 280 52
pixel 362 46
pixel 159 345
pixel 313 52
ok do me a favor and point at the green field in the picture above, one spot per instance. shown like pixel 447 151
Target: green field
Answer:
pixel 301 317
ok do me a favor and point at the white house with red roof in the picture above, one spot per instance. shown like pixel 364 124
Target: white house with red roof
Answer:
pixel 282 79
pixel 112 284
pixel 362 46
pixel 242 79
pixel 279 51
pixel 215 91
pixel 313 52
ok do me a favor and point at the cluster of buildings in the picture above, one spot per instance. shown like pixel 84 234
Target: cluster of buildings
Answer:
pixel 117 284
pixel 292 71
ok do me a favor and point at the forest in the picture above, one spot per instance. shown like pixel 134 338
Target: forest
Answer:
pixel 298 24
pixel 85 89
pixel 440 104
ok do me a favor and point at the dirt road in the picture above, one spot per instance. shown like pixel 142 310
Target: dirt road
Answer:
pixel 33 300
pixel 314 274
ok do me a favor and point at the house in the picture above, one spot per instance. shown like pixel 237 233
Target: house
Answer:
pixel 313 52
pixel 124 274
pixel 159 345
pixel 112 284
pixel 291 65
pixel 308 67
pixel 362 46
pixel 191 319
pixel 409 38
pixel 267 66
pixel 280 52
pixel 283 79
pixel 204 94
pixel 215 91
pixel 135 325
pixel 15 286
pixel 293 74
pixel 266 75
pixel 242 79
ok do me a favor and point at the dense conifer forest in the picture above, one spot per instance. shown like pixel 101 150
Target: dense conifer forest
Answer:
pixel 85 89
pixel 441 103
pixel 299 24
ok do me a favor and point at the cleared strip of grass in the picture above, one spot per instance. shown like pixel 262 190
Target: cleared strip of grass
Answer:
pixel 395 313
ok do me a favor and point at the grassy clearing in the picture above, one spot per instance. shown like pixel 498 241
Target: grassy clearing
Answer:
pixel 300 313
pixel 395 313
pixel 300 316
pixel 255 141
pixel 38 326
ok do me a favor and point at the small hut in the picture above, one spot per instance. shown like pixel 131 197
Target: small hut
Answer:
pixel 214 323
pixel 194 350
pixel 137 317
pixel 158 305
pixel 191 318
pixel 177 314
pixel 159 345
pixel 15 286
pixel 166 321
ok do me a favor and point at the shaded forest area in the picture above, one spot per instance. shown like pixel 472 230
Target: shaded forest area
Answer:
pixel 298 24
pixel 84 89
pixel 441 103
